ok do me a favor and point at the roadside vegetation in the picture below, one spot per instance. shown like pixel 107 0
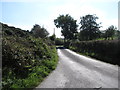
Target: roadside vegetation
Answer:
pixel 27 58
pixel 89 40
pixel 104 50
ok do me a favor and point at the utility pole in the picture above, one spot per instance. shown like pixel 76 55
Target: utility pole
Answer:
pixel 54 35
pixel 54 32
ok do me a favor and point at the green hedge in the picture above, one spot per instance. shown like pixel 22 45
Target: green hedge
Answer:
pixel 105 50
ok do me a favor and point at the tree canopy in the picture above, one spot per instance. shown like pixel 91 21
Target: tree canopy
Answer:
pixel 68 26
pixel 110 32
pixel 39 31
pixel 89 27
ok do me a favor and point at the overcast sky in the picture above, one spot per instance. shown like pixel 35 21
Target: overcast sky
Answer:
pixel 26 13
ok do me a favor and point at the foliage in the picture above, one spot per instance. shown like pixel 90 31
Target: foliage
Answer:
pixel 110 32
pixel 53 37
pixel 117 34
pixel 105 50
pixel 68 26
pixel 26 60
pixel 59 41
pixel 39 31
pixel 12 31
pixel 89 28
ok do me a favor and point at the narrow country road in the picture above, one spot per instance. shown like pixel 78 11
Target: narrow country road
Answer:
pixel 77 71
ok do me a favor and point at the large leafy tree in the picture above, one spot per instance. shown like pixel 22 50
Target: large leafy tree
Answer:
pixel 89 27
pixel 68 26
pixel 39 31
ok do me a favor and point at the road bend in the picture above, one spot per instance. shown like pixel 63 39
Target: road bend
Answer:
pixel 78 71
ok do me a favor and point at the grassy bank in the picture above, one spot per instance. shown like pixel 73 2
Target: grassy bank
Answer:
pixel 26 60
pixel 104 50
pixel 37 74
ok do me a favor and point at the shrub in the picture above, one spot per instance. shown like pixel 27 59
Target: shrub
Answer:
pixel 26 60
pixel 105 50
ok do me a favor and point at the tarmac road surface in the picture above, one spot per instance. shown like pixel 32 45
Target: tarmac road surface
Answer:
pixel 78 71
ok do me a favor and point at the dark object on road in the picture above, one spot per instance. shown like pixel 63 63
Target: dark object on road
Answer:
pixel 60 47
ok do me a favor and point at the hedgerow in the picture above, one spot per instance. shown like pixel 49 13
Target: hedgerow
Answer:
pixel 26 60
pixel 104 50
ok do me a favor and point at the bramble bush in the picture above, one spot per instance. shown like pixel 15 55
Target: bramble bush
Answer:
pixel 26 60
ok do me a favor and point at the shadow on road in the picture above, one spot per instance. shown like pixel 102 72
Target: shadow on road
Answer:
pixel 60 47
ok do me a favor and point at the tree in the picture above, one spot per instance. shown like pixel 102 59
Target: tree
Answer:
pixel 68 26
pixel 118 34
pixel 89 28
pixel 59 41
pixel 110 32
pixel 39 31
pixel 53 37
